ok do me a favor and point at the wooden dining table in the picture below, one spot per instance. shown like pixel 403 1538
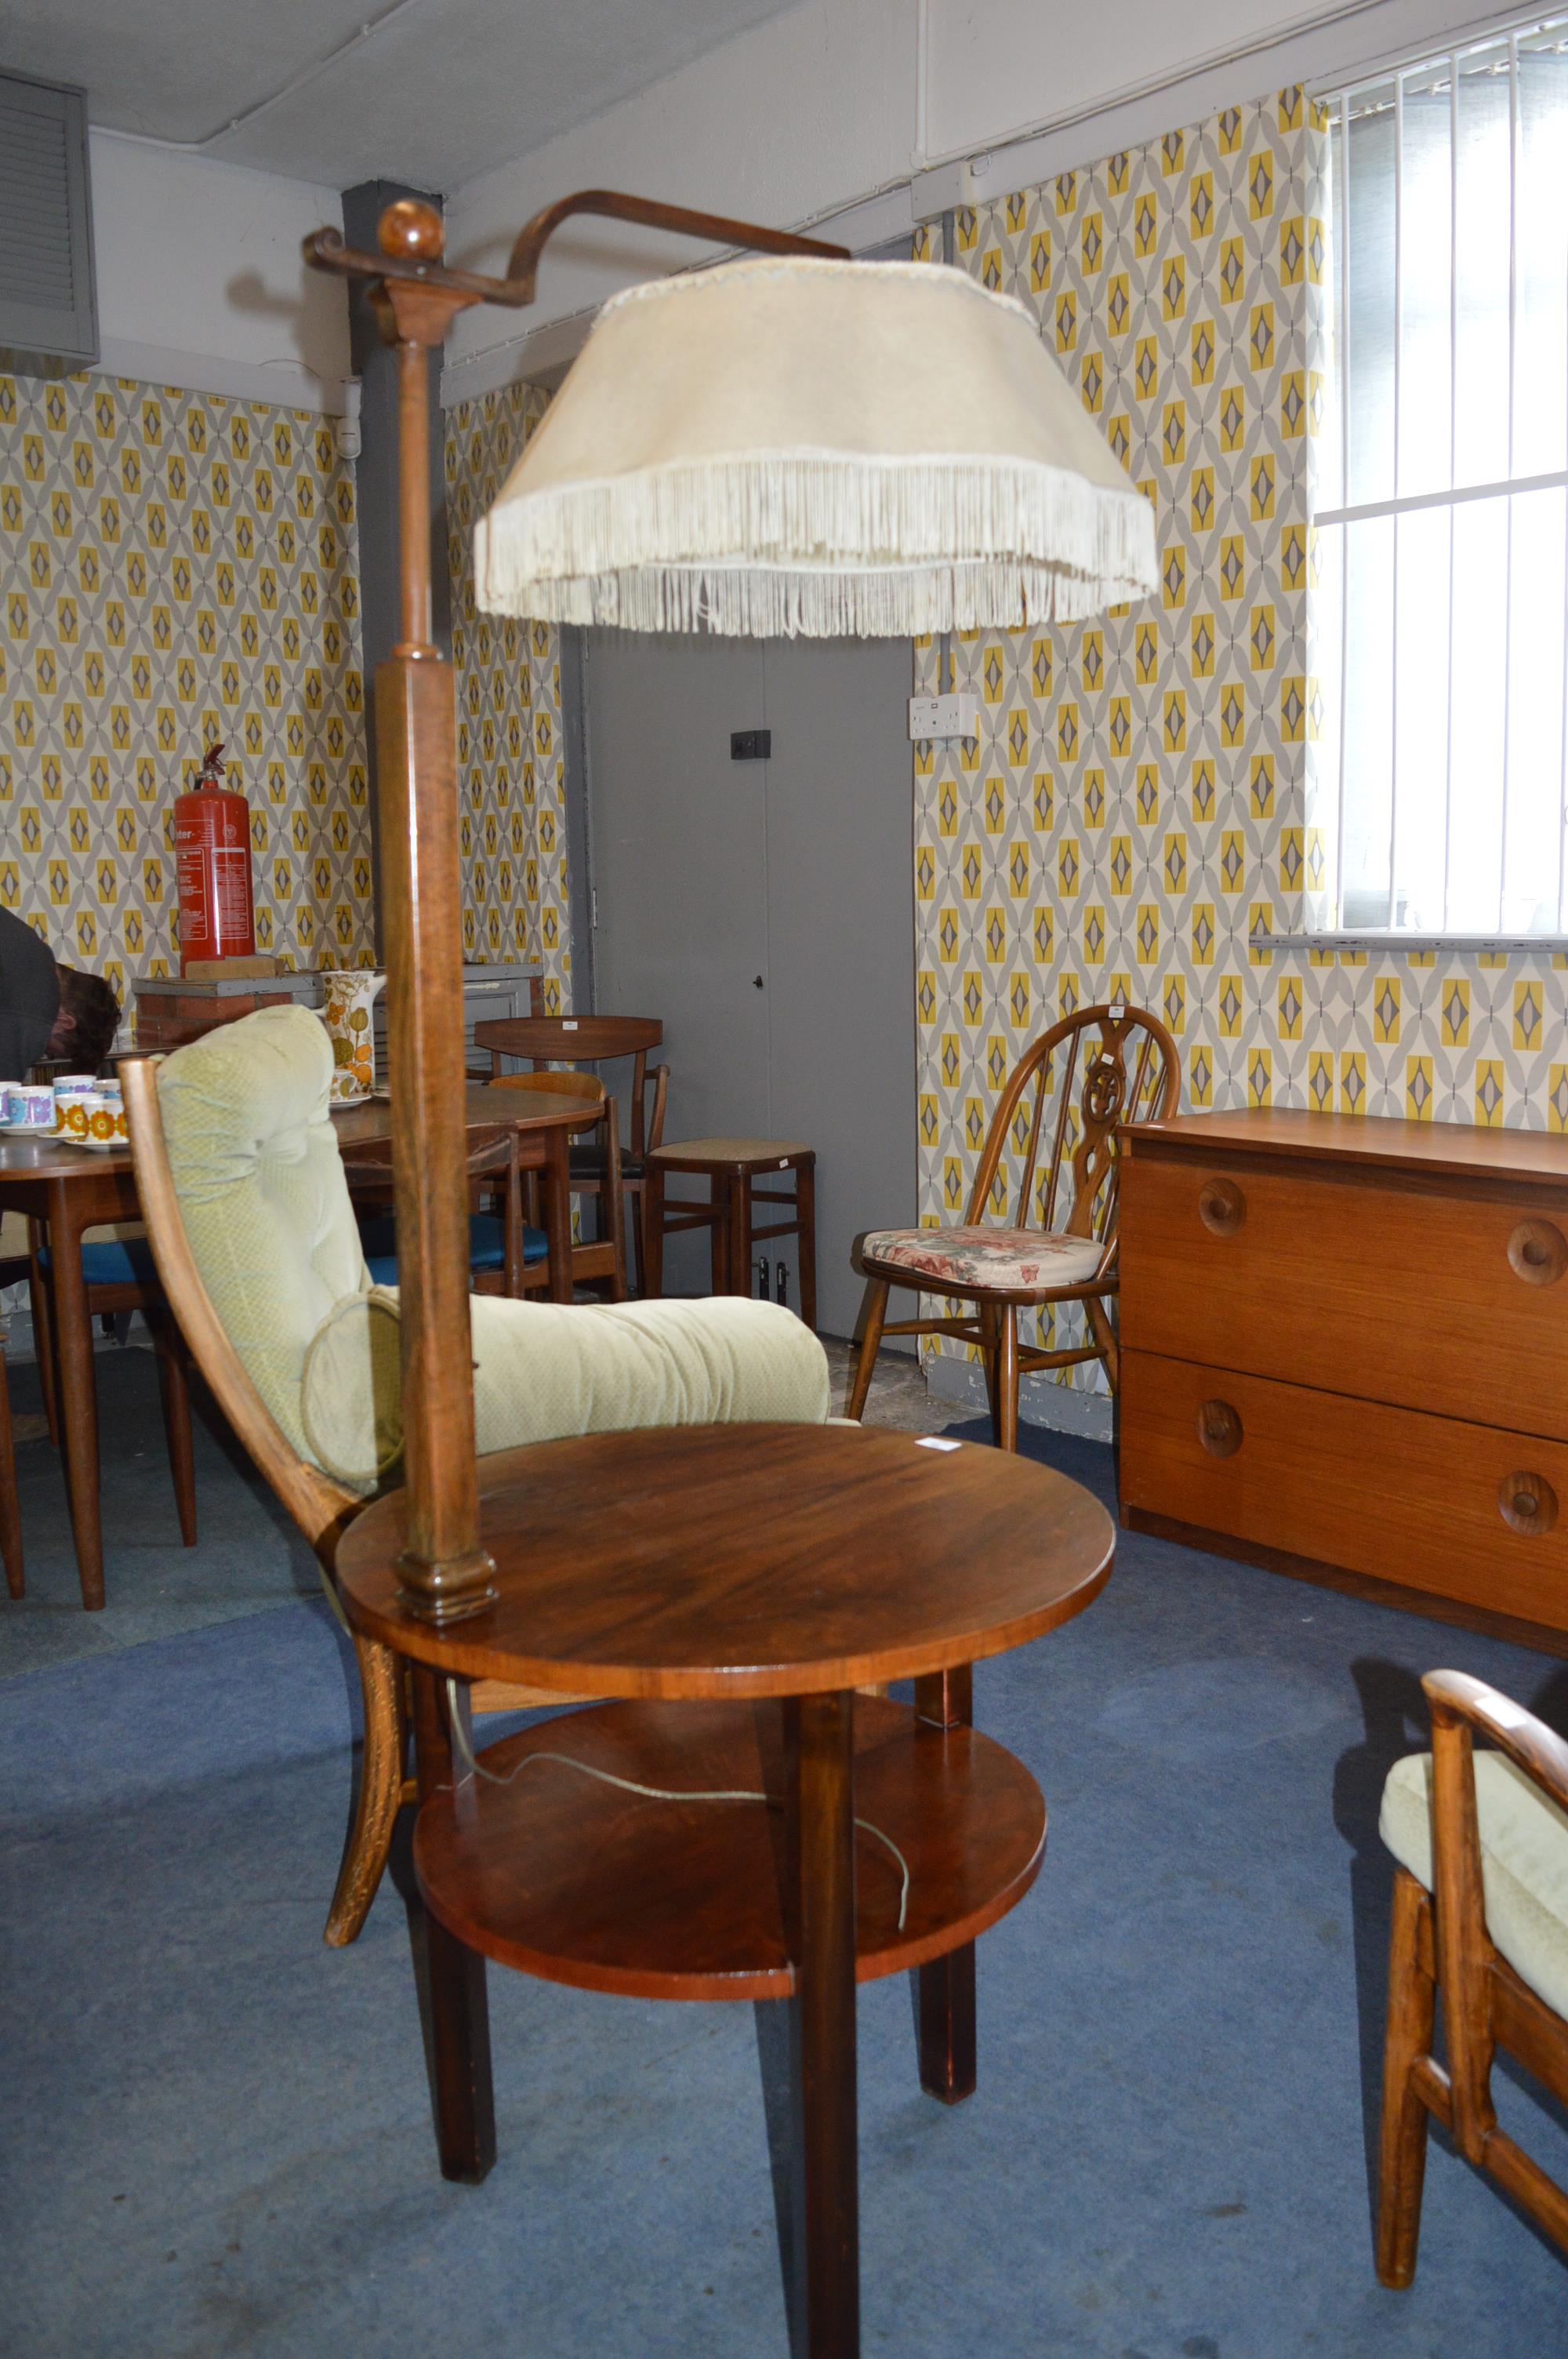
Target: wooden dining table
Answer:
pixel 73 1188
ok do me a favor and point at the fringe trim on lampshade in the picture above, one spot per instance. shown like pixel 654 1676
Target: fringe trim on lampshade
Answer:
pixel 819 546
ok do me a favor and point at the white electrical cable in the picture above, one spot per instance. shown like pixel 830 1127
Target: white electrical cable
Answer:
pixel 652 1793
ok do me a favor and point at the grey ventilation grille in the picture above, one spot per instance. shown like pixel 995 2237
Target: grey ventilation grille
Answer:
pixel 47 306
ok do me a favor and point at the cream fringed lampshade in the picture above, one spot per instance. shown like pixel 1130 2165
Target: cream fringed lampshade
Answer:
pixel 777 448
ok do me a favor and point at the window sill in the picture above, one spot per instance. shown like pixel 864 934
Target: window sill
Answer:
pixel 1393 938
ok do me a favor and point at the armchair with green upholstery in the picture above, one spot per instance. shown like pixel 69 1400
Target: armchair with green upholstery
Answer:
pixel 255 1235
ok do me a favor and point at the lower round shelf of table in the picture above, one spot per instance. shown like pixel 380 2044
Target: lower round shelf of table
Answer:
pixel 566 1877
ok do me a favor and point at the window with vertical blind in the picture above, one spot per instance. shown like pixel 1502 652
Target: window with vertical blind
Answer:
pixel 1440 783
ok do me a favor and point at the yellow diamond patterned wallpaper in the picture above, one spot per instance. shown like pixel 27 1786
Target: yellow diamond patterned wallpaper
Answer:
pixel 1135 804
pixel 176 567
pixel 510 763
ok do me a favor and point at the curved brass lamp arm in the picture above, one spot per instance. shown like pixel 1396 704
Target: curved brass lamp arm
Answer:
pixel 325 249
pixel 524 263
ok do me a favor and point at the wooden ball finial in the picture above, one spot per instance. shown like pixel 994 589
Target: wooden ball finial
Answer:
pixel 411 231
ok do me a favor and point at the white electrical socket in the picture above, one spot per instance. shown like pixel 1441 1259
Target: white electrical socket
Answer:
pixel 944 716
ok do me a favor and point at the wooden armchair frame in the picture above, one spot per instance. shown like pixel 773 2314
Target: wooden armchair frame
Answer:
pixel 321 1509
pixel 1109 1096
pixel 1439 1943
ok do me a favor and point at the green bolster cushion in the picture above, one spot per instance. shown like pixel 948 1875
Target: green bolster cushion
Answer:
pixel 543 1370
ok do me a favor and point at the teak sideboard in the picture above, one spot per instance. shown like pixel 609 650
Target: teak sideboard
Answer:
pixel 1345 1356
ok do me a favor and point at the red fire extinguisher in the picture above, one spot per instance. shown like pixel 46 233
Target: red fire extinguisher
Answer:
pixel 213 868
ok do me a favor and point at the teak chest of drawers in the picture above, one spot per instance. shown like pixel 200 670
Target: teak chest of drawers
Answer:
pixel 1344 1354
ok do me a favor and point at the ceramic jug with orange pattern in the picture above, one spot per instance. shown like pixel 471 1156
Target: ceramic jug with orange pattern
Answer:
pixel 348 995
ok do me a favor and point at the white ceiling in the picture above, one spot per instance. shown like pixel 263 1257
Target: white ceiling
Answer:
pixel 437 91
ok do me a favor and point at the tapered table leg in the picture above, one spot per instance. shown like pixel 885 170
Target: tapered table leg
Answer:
pixel 10 1520
pixel 459 2004
pixel 944 1990
pixel 555 1187
pixel 78 1392
pixel 820 1869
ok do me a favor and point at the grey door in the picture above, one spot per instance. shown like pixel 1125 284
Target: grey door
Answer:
pixel 710 875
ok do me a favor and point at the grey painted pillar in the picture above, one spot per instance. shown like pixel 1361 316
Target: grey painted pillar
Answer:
pixel 574 786
pixel 376 481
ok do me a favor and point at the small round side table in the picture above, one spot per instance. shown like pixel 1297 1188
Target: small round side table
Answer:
pixel 729 1588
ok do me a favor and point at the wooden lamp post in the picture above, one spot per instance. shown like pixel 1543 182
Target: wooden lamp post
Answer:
pixel 445 1573
pixel 795 444
pixel 803 444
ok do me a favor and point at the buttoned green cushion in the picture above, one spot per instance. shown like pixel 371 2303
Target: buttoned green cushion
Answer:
pixel 261 1192
pixel 1524 1861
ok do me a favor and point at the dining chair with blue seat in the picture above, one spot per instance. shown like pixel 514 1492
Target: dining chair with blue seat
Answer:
pixel 507 1254
pixel 599 1259
pixel 487 1249
pixel 558 1048
pixel 502 1249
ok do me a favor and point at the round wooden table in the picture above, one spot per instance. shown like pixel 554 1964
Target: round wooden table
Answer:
pixel 732 1587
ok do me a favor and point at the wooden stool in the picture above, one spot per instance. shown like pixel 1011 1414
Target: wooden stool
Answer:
pixel 732 1166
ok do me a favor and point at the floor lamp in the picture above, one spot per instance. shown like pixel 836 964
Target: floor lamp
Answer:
pixel 794 442
pixel 791 443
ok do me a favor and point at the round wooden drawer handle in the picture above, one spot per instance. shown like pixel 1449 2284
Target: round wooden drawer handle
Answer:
pixel 1219 1429
pixel 1538 1251
pixel 1527 1504
pixel 1222 1208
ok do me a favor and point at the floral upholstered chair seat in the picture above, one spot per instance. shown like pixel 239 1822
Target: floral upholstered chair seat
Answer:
pixel 982 1260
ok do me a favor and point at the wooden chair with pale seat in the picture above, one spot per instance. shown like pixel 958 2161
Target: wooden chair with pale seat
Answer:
pixel 577 1041
pixel 1480 1920
pixel 247 1207
pixel 1117 1065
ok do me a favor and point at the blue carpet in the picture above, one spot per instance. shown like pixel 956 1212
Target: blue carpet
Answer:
pixel 247 1556
pixel 216 2136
